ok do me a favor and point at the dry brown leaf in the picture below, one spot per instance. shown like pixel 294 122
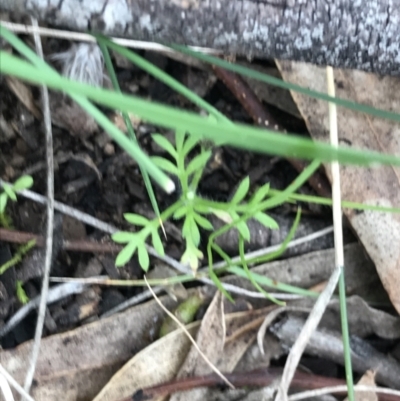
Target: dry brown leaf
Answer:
pixel 368 379
pixel 24 94
pixel 224 345
pixel 379 232
pixel 270 94
pixel 157 363
pixel 210 339
pixel 77 364
pixel 160 362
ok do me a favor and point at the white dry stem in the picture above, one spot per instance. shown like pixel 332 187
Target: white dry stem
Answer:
pixel 320 306
pixel 50 224
pixel 5 389
pixel 83 62
pixel 270 318
pixel 306 395
pixel 84 37
pixel 15 384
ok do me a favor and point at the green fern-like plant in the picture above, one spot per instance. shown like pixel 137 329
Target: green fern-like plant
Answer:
pixel 190 207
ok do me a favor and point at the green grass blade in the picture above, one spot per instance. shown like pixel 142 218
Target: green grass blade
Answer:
pixel 294 186
pixel 239 135
pixel 248 72
pixel 163 77
pixel 328 202
pixel 273 284
pixel 250 277
pixel 43 70
pixel 131 131
pixel 345 333
pixel 274 255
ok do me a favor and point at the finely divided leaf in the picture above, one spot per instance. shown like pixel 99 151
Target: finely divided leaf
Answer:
pixel 180 213
pixel 195 233
pixel 157 244
pixel 261 193
pixel 243 230
pixel 163 142
pixel 10 192
pixel 143 256
pixel 136 219
pixel 198 162
pixel 165 164
pixel 241 226
pixel 203 209
pixel 191 256
pixel 203 222
pixel 190 230
pixel 241 192
pixel 3 202
pixel 180 139
pixel 223 215
pixel 123 237
pixel 126 253
pixel 266 220
pixel 189 144
pixel 24 182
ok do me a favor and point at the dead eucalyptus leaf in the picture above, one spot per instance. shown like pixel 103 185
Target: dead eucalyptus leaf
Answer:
pixel 379 232
pixel 157 363
pixel 210 339
pixel 24 94
pixel 160 362
pixel 77 364
pixel 240 331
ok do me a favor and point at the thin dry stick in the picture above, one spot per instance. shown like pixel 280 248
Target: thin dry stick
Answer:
pixel 15 384
pixel 270 318
pixel 306 395
pixel 5 389
pixel 55 294
pixel 50 223
pixel 320 306
pixel 105 280
pixel 305 334
pixel 173 317
pixel 83 37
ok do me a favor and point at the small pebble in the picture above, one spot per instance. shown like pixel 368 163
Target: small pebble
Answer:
pixel 109 149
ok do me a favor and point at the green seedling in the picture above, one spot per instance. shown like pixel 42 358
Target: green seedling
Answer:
pixel 185 313
pixel 18 256
pixel 10 193
pixel 21 294
pixel 194 211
